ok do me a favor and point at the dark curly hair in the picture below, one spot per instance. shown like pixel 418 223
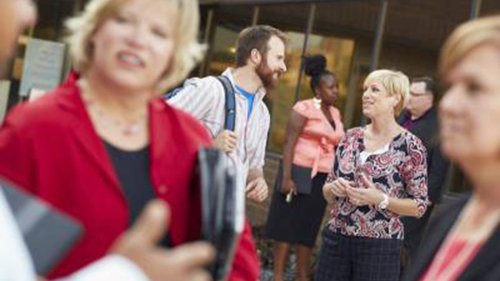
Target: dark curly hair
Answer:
pixel 315 66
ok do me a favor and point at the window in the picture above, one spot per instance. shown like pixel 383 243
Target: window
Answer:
pixel 280 100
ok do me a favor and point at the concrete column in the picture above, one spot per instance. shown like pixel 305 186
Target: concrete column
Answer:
pixel 379 35
pixel 202 70
pixel 379 38
pixel 475 8
pixel 310 23
pixel 256 15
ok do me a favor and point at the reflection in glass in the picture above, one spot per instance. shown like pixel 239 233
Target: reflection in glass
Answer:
pixel 281 99
pixel 223 50
pixel 339 54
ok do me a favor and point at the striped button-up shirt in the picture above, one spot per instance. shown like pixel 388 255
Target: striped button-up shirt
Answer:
pixel 205 99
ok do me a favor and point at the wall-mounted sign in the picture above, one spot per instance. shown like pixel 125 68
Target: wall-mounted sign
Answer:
pixel 43 65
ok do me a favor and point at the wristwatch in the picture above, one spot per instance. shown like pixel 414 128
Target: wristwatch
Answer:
pixel 384 203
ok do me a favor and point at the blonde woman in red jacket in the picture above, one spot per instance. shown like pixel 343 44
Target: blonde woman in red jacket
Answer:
pixel 102 145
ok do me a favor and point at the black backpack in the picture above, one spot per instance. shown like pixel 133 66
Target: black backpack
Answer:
pixel 230 105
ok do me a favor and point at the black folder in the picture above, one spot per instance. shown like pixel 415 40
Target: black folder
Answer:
pixel 48 233
pixel 222 206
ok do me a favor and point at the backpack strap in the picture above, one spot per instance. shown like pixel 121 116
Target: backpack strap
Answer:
pixel 172 94
pixel 230 105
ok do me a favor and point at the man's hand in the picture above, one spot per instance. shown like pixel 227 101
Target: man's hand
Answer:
pixel 139 244
pixel 226 141
pixel 257 189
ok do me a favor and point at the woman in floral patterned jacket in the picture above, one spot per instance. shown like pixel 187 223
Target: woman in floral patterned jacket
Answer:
pixel 380 174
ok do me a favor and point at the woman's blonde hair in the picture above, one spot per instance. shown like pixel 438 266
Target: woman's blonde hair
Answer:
pixel 187 50
pixel 395 82
pixel 467 37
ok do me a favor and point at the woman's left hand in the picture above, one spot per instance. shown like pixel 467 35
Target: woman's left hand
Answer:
pixel 365 196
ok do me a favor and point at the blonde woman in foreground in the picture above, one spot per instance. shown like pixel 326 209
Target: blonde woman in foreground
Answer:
pixel 463 241
pixel 104 144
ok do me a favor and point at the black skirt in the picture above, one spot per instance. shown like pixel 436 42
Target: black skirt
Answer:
pixel 299 221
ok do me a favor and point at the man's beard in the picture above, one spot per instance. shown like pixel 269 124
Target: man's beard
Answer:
pixel 266 75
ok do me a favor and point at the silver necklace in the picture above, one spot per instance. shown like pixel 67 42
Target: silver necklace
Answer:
pixel 126 128
pixel 105 121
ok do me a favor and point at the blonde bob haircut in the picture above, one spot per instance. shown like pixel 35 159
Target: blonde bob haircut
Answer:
pixel 467 37
pixel 395 82
pixel 186 54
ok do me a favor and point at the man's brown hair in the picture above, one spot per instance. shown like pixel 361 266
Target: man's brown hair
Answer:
pixel 255 37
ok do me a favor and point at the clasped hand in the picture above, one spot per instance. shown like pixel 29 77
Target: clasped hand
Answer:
pixel 341 188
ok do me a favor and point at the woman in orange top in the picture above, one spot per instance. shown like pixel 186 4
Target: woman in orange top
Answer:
pixel 297 208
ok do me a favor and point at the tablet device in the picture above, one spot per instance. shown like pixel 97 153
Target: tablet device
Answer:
pixel 47 232
pixel 222 205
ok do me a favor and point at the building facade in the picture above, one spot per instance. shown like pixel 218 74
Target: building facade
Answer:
pixel 356 36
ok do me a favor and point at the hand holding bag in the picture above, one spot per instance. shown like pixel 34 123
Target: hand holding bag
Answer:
pixel 301 176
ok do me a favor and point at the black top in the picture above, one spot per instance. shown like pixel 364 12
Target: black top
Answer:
pixel 132 169
pixel 426 128
pixel 485 266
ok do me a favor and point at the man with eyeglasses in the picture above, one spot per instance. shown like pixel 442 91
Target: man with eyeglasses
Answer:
pixel 420 118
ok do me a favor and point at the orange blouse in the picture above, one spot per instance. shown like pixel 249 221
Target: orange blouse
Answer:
pixel 315 147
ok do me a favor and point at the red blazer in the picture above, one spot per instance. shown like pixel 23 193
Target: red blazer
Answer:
pixel 50 148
